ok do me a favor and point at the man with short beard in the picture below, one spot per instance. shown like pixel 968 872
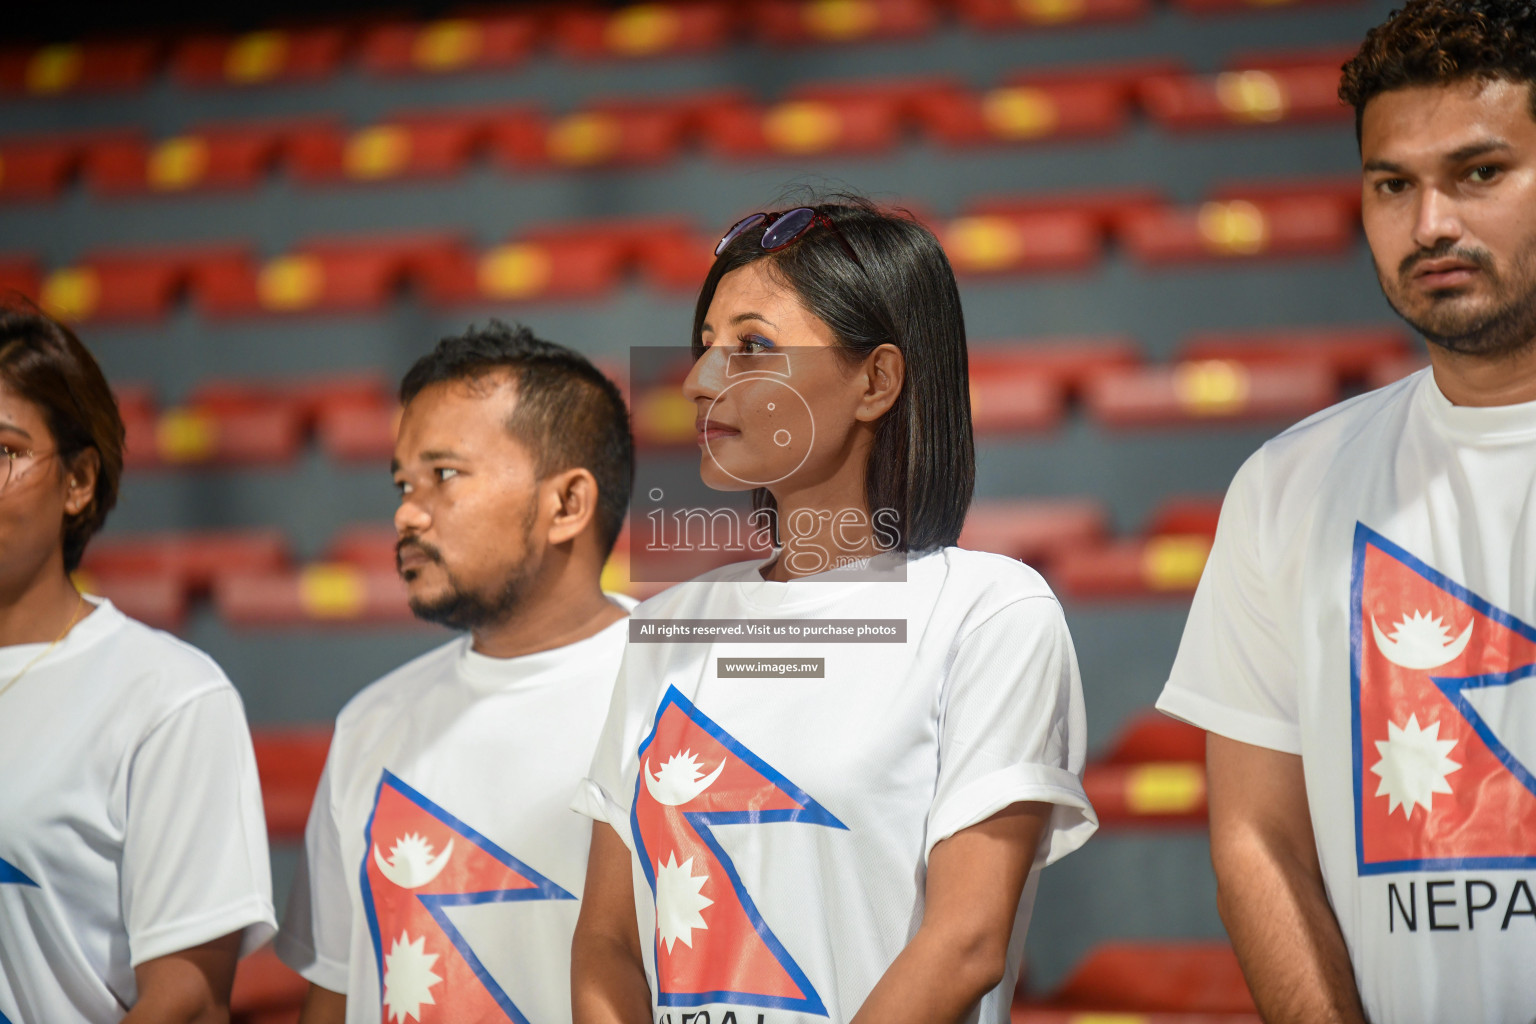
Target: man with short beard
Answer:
pixel 443 865
pixel 1361 649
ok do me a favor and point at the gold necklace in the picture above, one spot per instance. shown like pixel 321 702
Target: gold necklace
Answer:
pixel 49 649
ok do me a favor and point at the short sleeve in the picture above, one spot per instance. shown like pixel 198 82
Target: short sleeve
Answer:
pixel 1012 728
pixel 600 796
pixel 195 861
pixel 317 925
pixel 1234 674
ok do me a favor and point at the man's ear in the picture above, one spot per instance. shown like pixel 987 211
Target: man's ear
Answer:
pixel 884 372
pixel 80 482
pixel 574 493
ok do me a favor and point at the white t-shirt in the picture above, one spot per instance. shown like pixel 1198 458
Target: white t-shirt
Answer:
pixel 443 861
pixel 782 829
pixel 1369 605
pixel 131 822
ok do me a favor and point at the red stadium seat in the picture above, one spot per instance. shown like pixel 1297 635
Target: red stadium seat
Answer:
pixel 619 133
pixel 1166 566
pixel 37 168
pixel 678 261
pixel 644 29
pixel 1390 371
pixel 1229 6
pixel 158 601
pixel 994 14
pixel 792 22
pixel 1124 75
pixel 490 42
pixel 1156 794
pixel 1252 96
pixel 516 138
pixel 1195 514
pixel 1004 243
pixel 358 434
pixel 267 991
pixel 1069 362
pixel 1152 736
pixel 109 65
pixel 1216 390
pixel 136 405
pixel 1023 112
pixel 1165 976
pixel 289 762
pixel 367 546
pixel 1341 188
pixel 192 559
pixel 215 157
pixel 1239 229
pixel 116 285
pixel 256 58
pixel 322 593
pixel 559 263
pixel 1273 60
pixel 1034 530
pixel 1349 352
pixel 860 123
pixel 1008 400
pixel 415 144
pixel 1106 208
pixel 264 435
pixel 19 274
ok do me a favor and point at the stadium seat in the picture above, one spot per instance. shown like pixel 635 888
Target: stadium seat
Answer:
pixel 1034 530
pixel 136 404
pixel 1245 97
pixel 105 65
pixel 1151 567
pixel 265 435
pixel 366 546
pixel 1070 362
pixel 1008 399
pixel 1004 243
pixel 289 762
pixel 677 261
pixel 1022 112
pixel 619 133
pixel 1230 6
pixel 1349 352
pixel 358 433
pixel 1343 188
pixel 214 157
pixel 1156 794
pixel 413 144
pixel 486 42
pixel 116 285
pixel 858 123
pixel 792 22
pixel 1152 736
pixel 158 601
pixel 256 58
pixel 325 593
pixel 1213 390
pixel 36 169
pixel 994 14
pixel 643 29
pixel 18 274
pixel 267 991
pixel 567 262
pixel 1185 514
pixel 1238 228
pixel 192 559
pixel 1390 371
pixel 1157 977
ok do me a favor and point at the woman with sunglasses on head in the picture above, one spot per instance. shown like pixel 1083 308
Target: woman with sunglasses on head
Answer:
pixel 854 839
pixel 133 854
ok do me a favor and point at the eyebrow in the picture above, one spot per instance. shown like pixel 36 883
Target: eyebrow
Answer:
pixel 6 425
pixel 435 455
pixel 741 318
pixel 1457 156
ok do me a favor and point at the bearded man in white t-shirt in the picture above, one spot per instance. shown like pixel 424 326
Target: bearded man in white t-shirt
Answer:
pixel 443 865
pixel 1362 646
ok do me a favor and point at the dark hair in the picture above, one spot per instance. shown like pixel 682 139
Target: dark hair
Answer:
pixel 42 361
pixel 923 461
pixel 567 412
pixel 1437 42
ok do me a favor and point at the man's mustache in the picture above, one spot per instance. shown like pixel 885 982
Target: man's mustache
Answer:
pixel 431 553
pixel 1480 258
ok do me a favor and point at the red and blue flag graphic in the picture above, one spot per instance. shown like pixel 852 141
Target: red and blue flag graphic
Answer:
pixel 1444 698
pixel 712 945
pixel 10 874
pixel 421 861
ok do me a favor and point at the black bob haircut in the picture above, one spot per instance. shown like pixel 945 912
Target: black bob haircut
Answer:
pixel 923 460
pixel 567 412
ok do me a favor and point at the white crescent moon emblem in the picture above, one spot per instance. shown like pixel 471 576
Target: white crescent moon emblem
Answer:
pixel 673 794
pixel 1415 656
pixel 407 874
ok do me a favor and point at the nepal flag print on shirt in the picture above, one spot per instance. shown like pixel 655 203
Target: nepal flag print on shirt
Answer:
pixel 421 862
pixel 1444 698
pixel 711 944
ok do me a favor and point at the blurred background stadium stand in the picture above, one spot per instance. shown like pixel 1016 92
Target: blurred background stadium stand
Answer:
pixel 258 224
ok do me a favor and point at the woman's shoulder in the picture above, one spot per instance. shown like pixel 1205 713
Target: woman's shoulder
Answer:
pixel 986 573
pixel 161 667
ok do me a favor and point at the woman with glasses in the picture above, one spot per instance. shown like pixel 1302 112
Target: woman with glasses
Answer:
pixel 133 856
pixel 838 815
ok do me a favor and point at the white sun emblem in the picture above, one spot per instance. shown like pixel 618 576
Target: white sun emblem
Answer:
pixel 679 901
pixel 680 779
pixel 1421 641
pixel 411 864
pixel 408 978
pixel 1413 766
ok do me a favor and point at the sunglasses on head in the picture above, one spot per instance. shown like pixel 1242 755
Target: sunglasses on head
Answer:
pixel 780 229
